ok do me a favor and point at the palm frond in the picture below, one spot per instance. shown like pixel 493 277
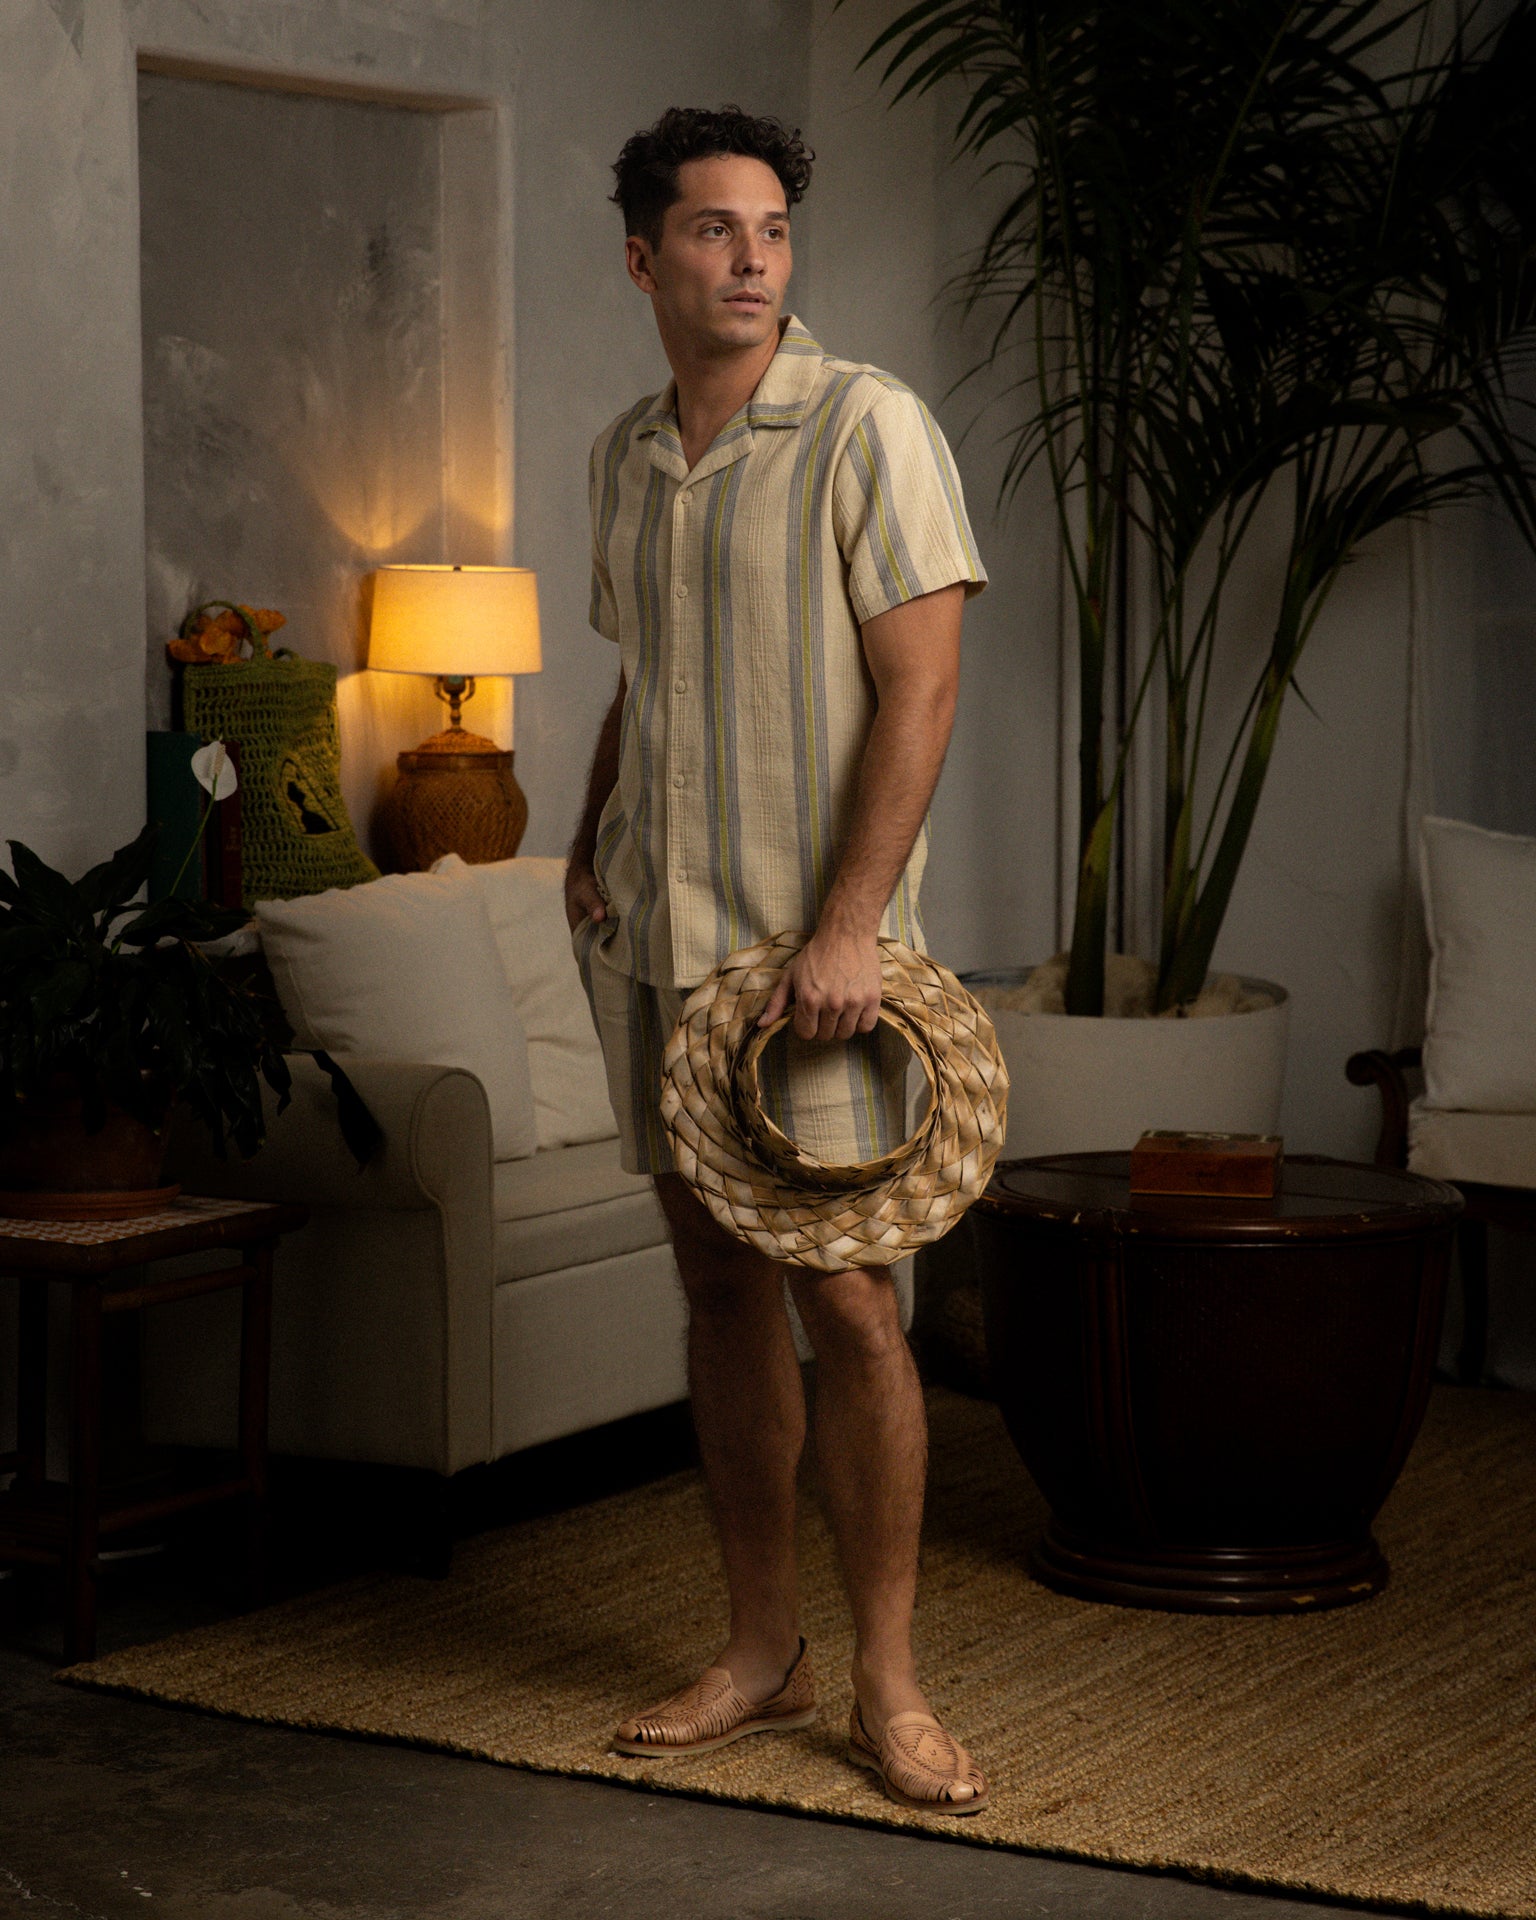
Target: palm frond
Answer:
pixel 1247 245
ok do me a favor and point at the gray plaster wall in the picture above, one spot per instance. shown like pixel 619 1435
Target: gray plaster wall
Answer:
pixel 293 355
pixel 71 523
pixel 531 267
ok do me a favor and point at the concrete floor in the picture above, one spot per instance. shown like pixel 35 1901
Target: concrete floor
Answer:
pixel 108 1805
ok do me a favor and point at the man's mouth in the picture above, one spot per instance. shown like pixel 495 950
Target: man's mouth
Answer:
pixel 745 300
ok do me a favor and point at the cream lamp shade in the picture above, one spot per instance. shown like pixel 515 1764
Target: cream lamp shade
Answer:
pixel 458 622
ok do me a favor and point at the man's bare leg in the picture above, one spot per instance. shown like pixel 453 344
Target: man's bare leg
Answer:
pixel 749 1414
pixel 872 1448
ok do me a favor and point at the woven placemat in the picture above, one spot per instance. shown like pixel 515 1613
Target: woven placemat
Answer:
pixel 1383 1752
pixel 184 1211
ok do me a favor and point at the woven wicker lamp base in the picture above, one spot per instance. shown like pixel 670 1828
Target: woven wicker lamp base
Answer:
pixel 456 794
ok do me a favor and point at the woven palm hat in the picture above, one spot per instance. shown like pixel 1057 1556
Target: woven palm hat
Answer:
pixel 754 1179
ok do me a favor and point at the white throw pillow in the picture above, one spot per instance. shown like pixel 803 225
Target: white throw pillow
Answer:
pixel 405 968
pixel 1480 906
pixel 525 899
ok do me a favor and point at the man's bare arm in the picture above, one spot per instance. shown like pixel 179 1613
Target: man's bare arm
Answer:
pixel 914 657
pixel 582 899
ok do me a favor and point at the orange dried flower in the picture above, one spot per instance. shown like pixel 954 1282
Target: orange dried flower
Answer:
pixel 210 639
pixel 208 644
pixel 220 638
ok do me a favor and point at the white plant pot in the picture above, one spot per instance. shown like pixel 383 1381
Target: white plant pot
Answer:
pixel 1083 1085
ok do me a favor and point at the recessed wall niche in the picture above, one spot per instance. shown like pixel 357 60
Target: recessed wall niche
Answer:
pixel 319 289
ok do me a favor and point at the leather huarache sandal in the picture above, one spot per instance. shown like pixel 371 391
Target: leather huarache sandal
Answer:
pixel 920 1766
pixel 711 1713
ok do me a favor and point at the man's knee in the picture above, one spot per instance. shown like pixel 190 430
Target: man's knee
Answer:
pixel 851 1317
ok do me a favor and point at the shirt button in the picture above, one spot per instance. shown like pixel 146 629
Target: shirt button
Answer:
pixel 682 593
pixel 679 779
pixel 679 686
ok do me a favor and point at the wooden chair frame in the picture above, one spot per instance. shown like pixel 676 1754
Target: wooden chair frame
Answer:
pixel 1513 1208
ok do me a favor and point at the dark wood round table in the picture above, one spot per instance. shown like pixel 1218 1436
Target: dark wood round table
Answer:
pixel 1215 1396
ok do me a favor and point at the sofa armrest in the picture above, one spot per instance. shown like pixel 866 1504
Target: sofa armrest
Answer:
pixel 436 1151
pixel 383 1303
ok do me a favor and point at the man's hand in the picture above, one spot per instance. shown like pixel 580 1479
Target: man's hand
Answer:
pixel 835 981
pixel 582 898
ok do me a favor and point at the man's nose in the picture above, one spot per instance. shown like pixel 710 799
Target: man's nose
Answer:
pixel 750 255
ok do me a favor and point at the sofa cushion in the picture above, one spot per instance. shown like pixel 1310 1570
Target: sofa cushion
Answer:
pixel 405 968
pixel 1480 908
pixel 525 899
pixel 573 1349
pixel 568 1207
pixel 1494 1149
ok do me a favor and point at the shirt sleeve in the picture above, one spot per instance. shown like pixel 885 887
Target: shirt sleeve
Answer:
pixel 902 525
pixel 603 612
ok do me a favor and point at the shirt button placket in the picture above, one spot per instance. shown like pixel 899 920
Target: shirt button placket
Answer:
pixel 678 742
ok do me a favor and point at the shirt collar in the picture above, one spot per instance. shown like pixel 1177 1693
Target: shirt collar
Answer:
pixel 779 400
pixel 785 390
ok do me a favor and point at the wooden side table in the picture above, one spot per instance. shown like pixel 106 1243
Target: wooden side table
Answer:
pixel 105 1265
pixel 1215 1396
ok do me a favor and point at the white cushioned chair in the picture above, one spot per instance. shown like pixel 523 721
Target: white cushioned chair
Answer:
pixel 1474 1121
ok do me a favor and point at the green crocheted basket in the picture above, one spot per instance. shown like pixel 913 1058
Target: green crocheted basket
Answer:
pixel 294 825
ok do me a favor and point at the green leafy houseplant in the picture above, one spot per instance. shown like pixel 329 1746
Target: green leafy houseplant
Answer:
pixel 1265 265
pixel 123 1008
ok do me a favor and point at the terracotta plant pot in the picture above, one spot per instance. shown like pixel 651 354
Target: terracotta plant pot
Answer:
pixel 53 1168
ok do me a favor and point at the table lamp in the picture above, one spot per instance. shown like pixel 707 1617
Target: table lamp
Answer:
pixel 456 792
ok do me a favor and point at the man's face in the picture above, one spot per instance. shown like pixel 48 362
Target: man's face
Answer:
pixel 724 262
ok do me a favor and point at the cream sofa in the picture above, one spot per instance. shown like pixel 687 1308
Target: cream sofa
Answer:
pixel 492 1279
pixel 441 1308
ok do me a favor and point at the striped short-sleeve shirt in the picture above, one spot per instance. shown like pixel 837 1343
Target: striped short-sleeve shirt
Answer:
pixel 735 590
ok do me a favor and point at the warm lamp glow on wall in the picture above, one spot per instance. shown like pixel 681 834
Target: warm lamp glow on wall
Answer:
pixel 456 792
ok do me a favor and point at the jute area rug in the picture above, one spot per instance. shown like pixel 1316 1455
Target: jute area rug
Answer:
pixel 1380 1753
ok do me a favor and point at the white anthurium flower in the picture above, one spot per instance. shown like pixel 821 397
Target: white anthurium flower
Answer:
pixel 214 770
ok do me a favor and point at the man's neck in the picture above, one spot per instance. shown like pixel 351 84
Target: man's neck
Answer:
pixel 712 388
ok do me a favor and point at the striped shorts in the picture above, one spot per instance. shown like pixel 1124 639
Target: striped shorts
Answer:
pixel 841 1102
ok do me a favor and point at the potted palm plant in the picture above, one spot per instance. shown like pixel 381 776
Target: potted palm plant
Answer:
pixel 111 1013
pixel 1262 277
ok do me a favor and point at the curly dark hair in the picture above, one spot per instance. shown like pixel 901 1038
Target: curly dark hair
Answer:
pixel 646 170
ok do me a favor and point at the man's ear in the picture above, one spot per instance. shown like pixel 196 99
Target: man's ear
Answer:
pixel 637 257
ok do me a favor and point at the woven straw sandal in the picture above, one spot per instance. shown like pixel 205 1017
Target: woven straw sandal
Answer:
pixel 921 1767
pixel 711 1713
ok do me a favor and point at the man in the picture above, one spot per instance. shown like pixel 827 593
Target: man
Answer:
pixel 780 549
